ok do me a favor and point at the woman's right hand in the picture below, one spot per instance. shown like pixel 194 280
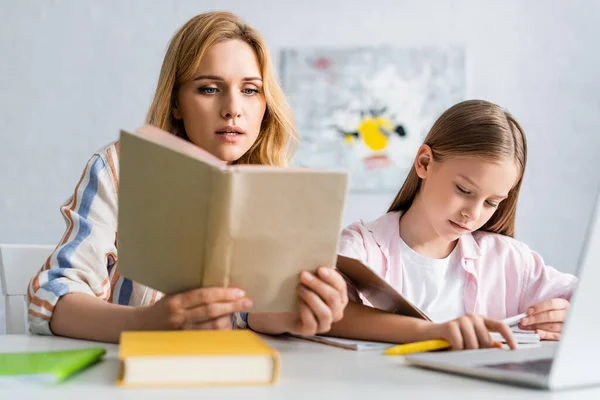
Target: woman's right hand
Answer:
pixel 472 332
pixel 204 308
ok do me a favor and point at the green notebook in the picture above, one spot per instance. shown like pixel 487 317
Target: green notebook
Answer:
pixel 46 366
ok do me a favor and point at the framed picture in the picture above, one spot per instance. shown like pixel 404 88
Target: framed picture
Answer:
pixel 367 110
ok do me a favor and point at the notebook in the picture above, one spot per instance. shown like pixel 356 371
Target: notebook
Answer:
pixel 46 367
pixel 521 336
pixel 196 358
pixel 188 220
pixel 348 344
pixel 383 296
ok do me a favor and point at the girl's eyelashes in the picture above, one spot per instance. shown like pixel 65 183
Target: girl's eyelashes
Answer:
pixel 462 190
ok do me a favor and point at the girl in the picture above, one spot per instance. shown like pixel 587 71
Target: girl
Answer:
pixel 447 243
pixel 216 89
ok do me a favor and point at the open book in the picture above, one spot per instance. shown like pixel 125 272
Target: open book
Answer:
pixel 384 297
pixel 188 220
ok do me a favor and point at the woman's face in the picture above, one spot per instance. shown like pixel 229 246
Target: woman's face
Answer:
pixel 223 106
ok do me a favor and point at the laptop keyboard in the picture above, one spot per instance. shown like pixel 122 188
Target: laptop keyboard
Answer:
pixel 538 367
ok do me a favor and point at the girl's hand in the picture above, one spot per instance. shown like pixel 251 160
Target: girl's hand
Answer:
pixel 471 332
pixel 205 308
pixel 546 318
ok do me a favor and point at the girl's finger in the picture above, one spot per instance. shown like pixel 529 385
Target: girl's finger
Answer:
pixel 454 336
pixel 503 329
pixel 555 327
pixel 544 317
pixel 547 305
pixel 545 335
pixel 468 333
pixel 483 335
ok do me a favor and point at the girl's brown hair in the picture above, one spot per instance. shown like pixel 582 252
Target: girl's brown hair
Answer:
pixel 278 130
pixel 479 129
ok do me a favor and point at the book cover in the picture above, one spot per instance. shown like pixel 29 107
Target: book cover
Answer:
pixel 188 220
pixel 46 366
pixel 188 358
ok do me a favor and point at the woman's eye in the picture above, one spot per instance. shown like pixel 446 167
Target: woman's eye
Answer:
pixel 250 91
pixel 207 90
pixel 492 204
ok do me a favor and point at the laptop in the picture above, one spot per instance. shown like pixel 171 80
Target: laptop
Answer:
pixel 571 362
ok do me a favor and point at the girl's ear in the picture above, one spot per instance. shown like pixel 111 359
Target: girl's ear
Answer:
pixel 423 161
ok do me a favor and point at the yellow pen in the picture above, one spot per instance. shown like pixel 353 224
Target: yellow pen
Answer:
pixel 417 347
pixel 427 345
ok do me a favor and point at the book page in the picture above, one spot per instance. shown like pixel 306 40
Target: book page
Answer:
pixel 283 223
pixel 375 289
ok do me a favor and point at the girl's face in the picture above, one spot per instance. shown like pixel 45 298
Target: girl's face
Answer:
pixel 461 194
pixel 223 106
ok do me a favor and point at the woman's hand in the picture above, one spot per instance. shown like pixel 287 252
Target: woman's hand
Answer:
pixel 322 299
pixel 546 318
pixel 205 308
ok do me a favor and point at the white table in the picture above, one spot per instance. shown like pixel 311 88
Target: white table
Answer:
pixel 309 371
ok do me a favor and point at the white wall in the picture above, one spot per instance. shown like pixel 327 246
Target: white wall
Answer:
pixel 75 71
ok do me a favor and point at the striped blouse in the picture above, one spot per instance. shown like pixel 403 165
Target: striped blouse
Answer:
pixel 85 260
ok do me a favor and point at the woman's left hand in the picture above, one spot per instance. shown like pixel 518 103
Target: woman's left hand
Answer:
pixel 546 318
pixel 323 297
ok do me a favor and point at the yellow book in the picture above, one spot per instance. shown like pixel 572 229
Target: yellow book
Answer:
pixel 196 358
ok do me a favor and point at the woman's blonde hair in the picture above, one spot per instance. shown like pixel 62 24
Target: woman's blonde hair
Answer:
pixel 278 129
pixel 480 129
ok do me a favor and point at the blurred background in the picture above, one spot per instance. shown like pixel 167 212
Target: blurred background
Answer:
pixel 73 72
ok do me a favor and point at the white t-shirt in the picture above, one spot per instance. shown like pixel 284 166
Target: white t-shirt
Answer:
pixel 434 285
